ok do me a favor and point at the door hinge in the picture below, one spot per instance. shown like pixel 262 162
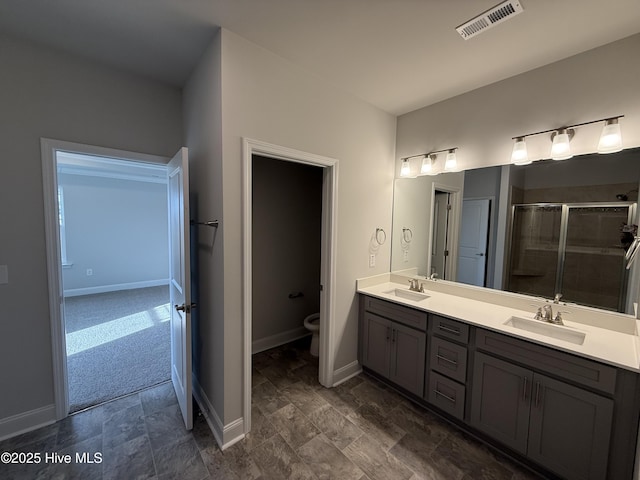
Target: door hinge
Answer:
pixel 446 253
pixel 449 207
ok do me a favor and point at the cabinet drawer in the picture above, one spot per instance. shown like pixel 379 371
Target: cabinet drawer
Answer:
pixel 449 359
pixel 446 327
pixel 409 316
pixel 564 365
pixel 446 394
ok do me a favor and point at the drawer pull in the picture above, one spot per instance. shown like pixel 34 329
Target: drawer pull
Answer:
pixel 455 331
pixel 446 397
pixel 440 357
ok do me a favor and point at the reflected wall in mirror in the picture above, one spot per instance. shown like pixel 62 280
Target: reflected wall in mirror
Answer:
pixel 540 229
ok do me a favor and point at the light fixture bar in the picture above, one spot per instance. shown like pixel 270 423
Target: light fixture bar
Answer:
pixel 568 127
pixel 434 152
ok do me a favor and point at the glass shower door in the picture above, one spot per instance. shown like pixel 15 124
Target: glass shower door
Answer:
pixel 535 243
pixel 593 271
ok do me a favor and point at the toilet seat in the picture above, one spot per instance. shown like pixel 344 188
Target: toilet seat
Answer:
pixel 312 322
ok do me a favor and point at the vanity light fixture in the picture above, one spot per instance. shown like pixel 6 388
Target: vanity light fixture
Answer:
pixel 428 162
pixel 405 169
pixel 451 162
pixel 610 141
pixel 519 155
pixel 560 144
pixel 611 137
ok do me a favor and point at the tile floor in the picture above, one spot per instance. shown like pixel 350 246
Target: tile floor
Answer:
pixel 359 430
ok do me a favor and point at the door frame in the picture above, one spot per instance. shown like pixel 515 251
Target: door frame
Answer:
pixel 453 227
pixel 328 257
pixel 48 150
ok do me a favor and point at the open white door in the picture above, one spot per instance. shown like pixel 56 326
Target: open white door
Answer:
pixel 179 283
pixel 474 233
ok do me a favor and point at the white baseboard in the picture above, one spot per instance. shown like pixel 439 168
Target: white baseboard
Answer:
pixel 27 421
pixel 225 435
pixel 76 292
pixel 278 339
pixel 343 374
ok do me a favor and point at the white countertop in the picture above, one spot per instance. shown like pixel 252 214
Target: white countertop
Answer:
pixel 601 344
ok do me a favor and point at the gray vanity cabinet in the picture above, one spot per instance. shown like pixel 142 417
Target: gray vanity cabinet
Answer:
pixel 394 351
pixel 560 426
pixel 570 429
pixel 500 400
pixel 564 414
pixel 446 379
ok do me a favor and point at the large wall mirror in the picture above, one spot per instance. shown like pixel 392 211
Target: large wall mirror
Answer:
pixel 541 229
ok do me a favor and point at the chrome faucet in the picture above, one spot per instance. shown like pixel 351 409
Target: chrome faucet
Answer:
pixel 538 315
pixel 433 276
pixel 545 314
pixel 558 319
pixel 416 286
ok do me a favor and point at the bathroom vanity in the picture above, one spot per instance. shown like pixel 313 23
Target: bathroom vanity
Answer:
pixel 564 400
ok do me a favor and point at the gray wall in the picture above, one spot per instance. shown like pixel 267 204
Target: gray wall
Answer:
pixel 118 228
pixel 287 216
pixel 44 93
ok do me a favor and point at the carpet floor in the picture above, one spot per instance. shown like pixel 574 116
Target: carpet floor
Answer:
pixel 117 343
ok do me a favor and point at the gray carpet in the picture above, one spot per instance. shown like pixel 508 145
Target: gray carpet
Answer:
pixel 117 343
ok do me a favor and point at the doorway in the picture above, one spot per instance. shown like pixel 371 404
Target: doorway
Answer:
pixel 88 268
pixel 444 232
pixel 114 249
pixel 286 257
pixel 328 241
pixel 440 237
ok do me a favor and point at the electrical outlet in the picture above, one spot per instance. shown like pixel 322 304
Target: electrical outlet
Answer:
pixel 89 272
pixel 405 255
pixel 372 261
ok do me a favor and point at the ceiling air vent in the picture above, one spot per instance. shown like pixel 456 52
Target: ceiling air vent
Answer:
pixel 501 12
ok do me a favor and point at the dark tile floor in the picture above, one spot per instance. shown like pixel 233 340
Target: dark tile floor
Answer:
pixel 359 430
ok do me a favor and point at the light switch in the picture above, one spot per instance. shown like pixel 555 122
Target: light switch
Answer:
pixel 4 274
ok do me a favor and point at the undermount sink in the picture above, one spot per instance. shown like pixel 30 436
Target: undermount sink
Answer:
pixel 407 294
pixel 559 332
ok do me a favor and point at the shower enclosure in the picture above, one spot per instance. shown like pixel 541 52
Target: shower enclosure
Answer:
pixel 576 249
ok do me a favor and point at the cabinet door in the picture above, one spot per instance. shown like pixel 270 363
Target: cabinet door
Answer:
pixel 570 429
pixel 501 400
pixel 408 348
pixel 376 343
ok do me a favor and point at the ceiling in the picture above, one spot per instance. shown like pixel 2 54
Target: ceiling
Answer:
pixel 399 55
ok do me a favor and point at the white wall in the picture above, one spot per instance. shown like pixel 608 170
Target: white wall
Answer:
pixel 118 229
pixel 263 97
pixel 593 85
pixel 44 93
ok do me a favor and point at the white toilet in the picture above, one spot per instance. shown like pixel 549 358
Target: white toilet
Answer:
pixel 312 323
